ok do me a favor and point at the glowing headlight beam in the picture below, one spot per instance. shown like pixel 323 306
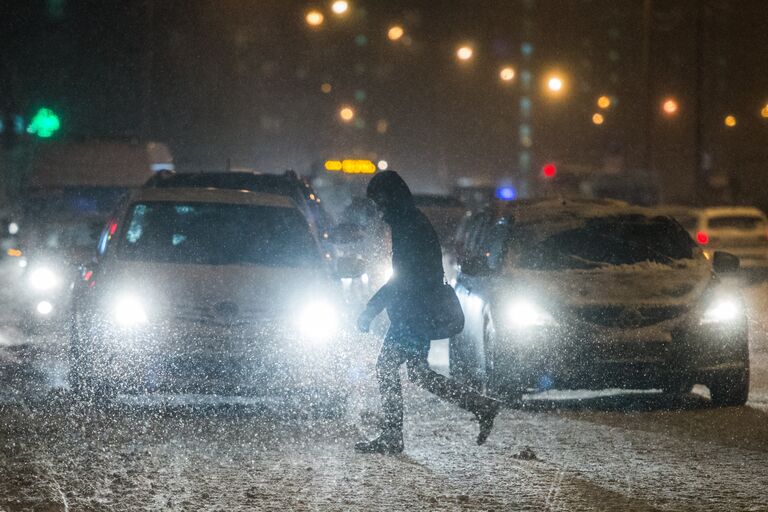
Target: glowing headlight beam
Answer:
pixel 128 311
pixel 524 313
pixel 43 279
pixel 722 310
pixel 318 322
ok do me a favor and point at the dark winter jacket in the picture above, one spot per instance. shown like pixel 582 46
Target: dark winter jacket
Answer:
pixel 417 263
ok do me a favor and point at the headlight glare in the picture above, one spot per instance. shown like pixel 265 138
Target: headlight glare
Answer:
pixel 128 311
pixel 43 278
pixel 523 313
pixel 722 310
pixel 318 321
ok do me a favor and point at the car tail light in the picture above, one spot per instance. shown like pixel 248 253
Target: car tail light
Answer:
pixel 702 237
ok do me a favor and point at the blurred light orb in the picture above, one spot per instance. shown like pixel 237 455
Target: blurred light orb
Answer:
pixel 44 307
pixel 314 18
pixel 382 126
pixel 507 74
pixel 340 7
pixel 764 112
pixel 347 114
pixel 555 84
pixel 395 32
pixel 603 102
pixel 383 165
pixel 326 88
pixel 465 53
pixel 13 228
pixel 730 121
pixel 597 118
pixel 670 106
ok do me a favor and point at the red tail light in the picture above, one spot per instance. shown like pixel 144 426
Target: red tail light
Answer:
pixel 702 238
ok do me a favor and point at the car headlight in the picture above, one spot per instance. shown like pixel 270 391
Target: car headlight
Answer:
pixel 721 310
pixel 524 313
pixel 318 321
pixel 43 279
pixel 128 311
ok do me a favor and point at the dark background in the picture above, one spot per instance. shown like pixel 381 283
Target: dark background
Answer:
pixel 240 79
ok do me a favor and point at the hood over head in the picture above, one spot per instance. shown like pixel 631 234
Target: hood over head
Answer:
pixel 390 193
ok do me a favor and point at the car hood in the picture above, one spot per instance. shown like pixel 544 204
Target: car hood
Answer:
pixel 210 290
pixel 646 283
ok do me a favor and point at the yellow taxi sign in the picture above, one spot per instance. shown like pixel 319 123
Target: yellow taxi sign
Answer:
pixel 333 165
pixel 351 166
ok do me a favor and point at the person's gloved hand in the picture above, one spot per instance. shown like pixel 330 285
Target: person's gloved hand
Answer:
pixel 365 319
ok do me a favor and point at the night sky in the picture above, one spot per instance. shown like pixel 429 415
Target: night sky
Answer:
pixel 241 79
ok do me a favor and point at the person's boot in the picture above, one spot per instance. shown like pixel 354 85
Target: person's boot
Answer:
pixel 485 410
pixel 387 443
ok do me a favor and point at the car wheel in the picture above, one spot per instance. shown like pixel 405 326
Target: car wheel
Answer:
pixel 730 389
pixel 499 382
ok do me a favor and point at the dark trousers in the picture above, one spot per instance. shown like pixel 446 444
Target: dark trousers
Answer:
pixel 395 351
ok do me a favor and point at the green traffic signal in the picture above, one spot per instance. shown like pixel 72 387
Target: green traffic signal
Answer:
pixel 44 124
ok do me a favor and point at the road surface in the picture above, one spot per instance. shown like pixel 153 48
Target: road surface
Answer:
pixel 562 451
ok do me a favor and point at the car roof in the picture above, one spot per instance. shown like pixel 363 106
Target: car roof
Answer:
pixel 285 184
pixel 723 211
pixel 541 210
pixel 212 195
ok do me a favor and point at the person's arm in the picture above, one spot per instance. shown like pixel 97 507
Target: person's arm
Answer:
pixel 376 305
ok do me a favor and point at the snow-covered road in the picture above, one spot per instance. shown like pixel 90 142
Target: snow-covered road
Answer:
pixel 591 451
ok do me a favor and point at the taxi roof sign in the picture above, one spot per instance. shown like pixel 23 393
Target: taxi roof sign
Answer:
pixel 351 166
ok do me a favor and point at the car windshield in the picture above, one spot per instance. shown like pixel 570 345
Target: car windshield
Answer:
pixel 737 222
pixel 602 242
pixel 217 234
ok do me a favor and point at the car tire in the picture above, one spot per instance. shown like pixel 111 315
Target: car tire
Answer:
pixel 730 389
pixel 499 383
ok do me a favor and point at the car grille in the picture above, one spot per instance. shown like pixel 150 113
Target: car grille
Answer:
pixel 624 317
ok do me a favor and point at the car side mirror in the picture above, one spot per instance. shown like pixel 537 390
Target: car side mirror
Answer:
pixel 346 233
pixel 350 267
pixel 475 266
pixel 725 262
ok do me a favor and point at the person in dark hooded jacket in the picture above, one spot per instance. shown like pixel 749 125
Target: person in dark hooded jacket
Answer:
pixel 417 268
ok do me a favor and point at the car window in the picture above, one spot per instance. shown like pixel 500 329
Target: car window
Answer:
pixel 217 234
pixel 620 240
pixel 737 222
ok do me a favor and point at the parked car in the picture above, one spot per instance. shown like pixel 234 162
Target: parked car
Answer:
pixel 596 294
pixel 740 230
pixel 211 290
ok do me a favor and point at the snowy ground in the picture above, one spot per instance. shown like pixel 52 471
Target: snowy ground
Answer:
pixel 593 451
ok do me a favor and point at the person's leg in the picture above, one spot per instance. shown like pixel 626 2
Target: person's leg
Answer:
pixel 388 365
pixel 388 376
pixel 419 372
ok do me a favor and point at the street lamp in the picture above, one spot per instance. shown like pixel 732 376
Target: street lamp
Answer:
pixel 730 121
pixel 554 84
pixel 598 118
pixel 670 107
pixel 603 102
pixel 764 112
pixel 507 74
pixel 395 33
pixel 340 7
pixel 347 114
pixel 314 18
pixel 464 53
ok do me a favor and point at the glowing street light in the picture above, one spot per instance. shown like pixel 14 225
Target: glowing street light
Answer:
pixel 340 7
pixel 507 74
pixel 764 112
pixel 314 18
pixel 598 118
pixel 670 106
pixel 464 53
pixel 603 102
pixel 395 32
pixel 347 114
pixel 730 121
pixel 555 84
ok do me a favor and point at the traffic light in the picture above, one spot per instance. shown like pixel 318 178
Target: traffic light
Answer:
pixel 549 170
pixel 44 124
